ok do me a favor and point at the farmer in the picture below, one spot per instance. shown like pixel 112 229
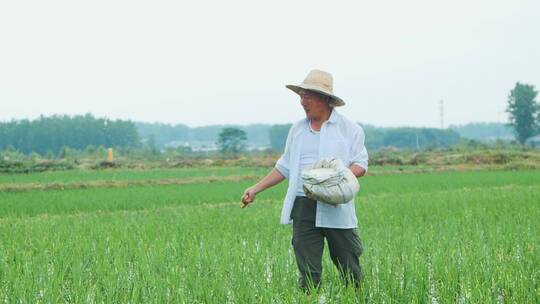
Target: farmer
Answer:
pixel 323 133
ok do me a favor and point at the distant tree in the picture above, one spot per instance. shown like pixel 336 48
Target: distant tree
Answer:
pixel 484 130
pixel 374 136
pixel 163 133
pixel 231 140
pixel 64 152
pixel 523 109
pixel 278 136
pixel 184 150
pixel 151 144
pixel 419 138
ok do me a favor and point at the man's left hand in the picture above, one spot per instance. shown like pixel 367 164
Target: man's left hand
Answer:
pixel 357 170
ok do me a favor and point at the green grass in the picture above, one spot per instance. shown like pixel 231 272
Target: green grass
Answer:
pixel 466 237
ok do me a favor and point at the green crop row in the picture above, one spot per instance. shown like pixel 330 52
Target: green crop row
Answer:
pixel 31 203
pixel 125 174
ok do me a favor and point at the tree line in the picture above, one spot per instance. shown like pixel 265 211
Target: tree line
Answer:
pixel 51 134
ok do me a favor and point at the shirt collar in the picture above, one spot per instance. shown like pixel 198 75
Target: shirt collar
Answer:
pixel 332 119
pixel 333 116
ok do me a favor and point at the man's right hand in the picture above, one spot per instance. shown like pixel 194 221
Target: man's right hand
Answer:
pixel 273 178
pixel 249 196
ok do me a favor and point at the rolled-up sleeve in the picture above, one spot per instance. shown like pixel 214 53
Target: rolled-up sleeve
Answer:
pixel 359 154
pixel 284 162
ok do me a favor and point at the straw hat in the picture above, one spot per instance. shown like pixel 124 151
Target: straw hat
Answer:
pixel 320 82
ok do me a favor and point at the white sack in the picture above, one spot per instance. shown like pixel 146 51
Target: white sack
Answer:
pixel 329 181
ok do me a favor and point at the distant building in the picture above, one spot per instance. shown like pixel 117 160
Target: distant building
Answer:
pixel 203 146
pixel 255 147
pixel 176 144
pixel 194 145
pixel 210 146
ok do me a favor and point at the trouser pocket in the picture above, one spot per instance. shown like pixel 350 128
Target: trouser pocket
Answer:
pixel 304 209
pixel 357 243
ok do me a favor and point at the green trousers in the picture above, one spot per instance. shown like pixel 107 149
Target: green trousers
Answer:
pixel 308 243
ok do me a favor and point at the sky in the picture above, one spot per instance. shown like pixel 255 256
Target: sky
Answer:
pixel 227 62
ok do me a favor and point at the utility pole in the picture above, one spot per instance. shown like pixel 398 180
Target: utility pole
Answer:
pixel 442 113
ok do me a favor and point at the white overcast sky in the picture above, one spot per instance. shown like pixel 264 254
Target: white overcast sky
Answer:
pixel 227 62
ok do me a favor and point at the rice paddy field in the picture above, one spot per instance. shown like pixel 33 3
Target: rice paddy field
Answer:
pixel 180 236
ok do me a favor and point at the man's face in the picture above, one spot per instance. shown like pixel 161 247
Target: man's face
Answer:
pixel 315 105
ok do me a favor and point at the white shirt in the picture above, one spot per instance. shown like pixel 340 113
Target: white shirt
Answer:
pixel 339 137
pixel 308 156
